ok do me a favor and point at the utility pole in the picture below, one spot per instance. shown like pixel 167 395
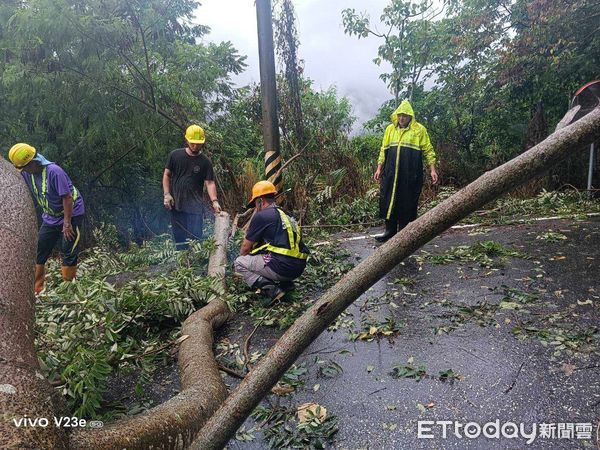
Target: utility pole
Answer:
pixel 268 87
pixel 591 170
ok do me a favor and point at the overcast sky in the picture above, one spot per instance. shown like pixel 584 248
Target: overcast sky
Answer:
pixel 330 56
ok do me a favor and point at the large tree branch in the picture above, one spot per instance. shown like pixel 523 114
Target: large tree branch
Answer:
pixel 223 425
pixel 174 423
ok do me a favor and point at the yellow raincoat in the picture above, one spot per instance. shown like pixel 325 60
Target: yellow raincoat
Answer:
pixel 401 154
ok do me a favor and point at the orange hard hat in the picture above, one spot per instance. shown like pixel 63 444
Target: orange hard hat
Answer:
pixel 259 189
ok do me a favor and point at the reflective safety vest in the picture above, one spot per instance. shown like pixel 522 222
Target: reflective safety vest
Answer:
pixel 42 198
pixel 293 238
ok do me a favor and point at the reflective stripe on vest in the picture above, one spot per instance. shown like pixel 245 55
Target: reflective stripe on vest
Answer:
pixel 294 237
pixel 43 199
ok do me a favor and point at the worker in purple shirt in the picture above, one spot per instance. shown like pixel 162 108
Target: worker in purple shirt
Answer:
pixel 62 210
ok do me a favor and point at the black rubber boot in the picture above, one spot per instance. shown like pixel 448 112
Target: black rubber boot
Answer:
pixel 269 289
pixel 390 230
pixel 287 286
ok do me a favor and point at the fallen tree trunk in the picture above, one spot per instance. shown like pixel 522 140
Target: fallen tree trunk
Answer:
pixel 238 406
pixel 174 424
pixel 24 392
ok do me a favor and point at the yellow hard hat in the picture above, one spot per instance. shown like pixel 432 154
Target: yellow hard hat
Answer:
pixel 21 154
pixel 195 134
pixel 261 188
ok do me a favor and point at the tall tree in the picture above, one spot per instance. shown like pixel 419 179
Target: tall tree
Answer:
pixel 93 83
pixel 408 45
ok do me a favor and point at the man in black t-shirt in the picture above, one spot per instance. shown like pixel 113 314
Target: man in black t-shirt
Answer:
pixel 272 254
pixel 186 173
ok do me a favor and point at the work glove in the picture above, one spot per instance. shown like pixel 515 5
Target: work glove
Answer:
pixel 168 201
pixel 216 206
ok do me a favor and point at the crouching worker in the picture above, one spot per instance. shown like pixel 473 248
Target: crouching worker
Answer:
pixel 62 210
pixel 272 254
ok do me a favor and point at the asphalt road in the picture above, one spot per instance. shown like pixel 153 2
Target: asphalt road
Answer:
pixel 521 339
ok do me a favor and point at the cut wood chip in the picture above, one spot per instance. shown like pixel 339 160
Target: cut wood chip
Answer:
pixel 307 411
pixel 281 390
pixel 568 369
pixel 182 338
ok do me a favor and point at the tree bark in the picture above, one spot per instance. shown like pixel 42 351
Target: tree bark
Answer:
pixel 24 392
pixel 238 406
pixel 173 424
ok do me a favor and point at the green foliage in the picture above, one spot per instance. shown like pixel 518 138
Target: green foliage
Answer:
pixel 449 375
pixel 329 369
pixel 404 281
pixel 284 431
pixel 568 204
pixel 325 168
pixel 561 335
pixel 459 315
pixel 365 148
pixel 286 44
pixel 351 211
pixel 409 371
pixel 551 236
pixel 326 172
pixel 372 328
pixel 408 46
pixel 326 265
pixel 511 209
pixel 481 252
pixel 516 299
pixel 86 378
pixel 92 330
pixel 293 376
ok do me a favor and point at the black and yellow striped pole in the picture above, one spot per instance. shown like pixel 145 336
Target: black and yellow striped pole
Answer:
pixel 268 87
pixel 272 166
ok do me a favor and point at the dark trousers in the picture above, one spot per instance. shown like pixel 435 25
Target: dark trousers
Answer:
pixel 186 227
pixel 49 235
pixel 406 206
pixel 401 220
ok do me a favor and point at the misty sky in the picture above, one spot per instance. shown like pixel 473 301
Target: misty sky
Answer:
pixel 330 56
